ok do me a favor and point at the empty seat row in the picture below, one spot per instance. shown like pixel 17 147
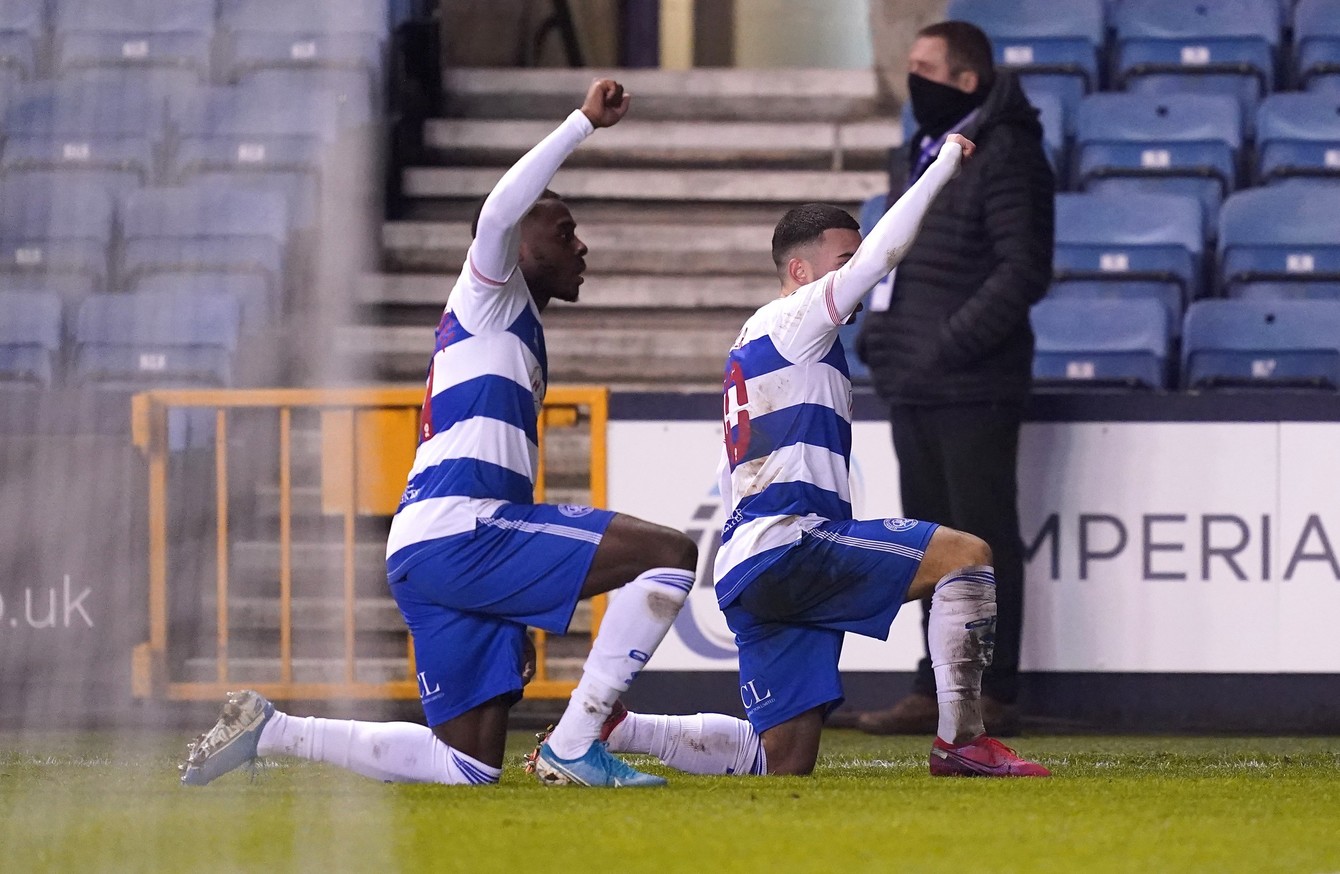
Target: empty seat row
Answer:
pixel 125 340
pixel 178 39
pixel 79 232
pixel 1225 344
pixel 1232 47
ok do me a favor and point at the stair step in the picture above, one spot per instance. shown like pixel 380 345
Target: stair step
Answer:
pixel 758 186
pixel 371 614
pixel 634 142
pixel 669 352
pixel 730 94
pixel 616 248
pixel 606 292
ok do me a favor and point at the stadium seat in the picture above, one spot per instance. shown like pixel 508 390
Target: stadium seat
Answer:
pixel 1316 35
pixel 1247 343
pixel 204 230
pixel 30 336
pixel 258 302
pixel 1288 290
pixel 21 23
pixel 260 139
pixel 359 54
pixel 1225 46
pixel 1051 44
pixel 134 33
pixel 1288 232
pixel 1087 343
pixel 1152 240
pixel 85 109
pixel 1176 144
pixel 117 165
pixel 57 227
pixel 304 16
pixel 1052 114
pixel 156 338
pixel 1167 295
pixel 1298 135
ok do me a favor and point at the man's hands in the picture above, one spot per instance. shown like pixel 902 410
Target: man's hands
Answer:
pixel 966 144
pixel 605 103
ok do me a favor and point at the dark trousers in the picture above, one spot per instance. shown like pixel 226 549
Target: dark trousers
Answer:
pixel 958 466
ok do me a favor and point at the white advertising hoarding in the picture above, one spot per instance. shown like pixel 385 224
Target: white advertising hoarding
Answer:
pixel 1153 547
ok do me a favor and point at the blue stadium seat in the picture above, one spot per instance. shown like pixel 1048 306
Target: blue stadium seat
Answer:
pixel 85 108
pixel 204 230
pixel 118 165
pixel 1054 45
pixel 1176 144
pixel 1287 232
pixel 1298 135
pixel 257 112
pixel 1167 295
pixel 304 16
pixel 30 336
pixel 1316 36
pixel 1052 114
pixel 1086 343
pixel 21 24
pixel 156 338
pixel 1131 238
pixel 258 301
pixel 1224 46
pixel 93 34
pixel 1246 343
pixel 252 52
pixel 55 227
pixel 1288 291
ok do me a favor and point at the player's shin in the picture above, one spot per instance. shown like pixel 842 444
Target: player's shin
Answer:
pixel 961 635
pixel 395 752
pixel 637 620
pixel 704 743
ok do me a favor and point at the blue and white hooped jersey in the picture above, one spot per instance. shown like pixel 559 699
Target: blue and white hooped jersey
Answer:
pixel 787 422
pixel 478 443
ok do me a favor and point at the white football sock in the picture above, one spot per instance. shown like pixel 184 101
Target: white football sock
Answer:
pixel 705 743
pixel 396 752
pixel 634 625
pixel 962 634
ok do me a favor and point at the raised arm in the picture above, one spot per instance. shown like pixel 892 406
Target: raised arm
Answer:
pixel 893 235
pixel 493 254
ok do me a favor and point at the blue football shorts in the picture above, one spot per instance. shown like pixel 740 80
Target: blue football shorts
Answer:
pixel 468 599
pixel 789 622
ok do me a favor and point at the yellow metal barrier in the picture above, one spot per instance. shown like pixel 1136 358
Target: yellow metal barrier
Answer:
pixel 367 446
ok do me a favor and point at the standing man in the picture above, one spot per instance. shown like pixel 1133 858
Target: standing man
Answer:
pixel 471 559
pixel 948 340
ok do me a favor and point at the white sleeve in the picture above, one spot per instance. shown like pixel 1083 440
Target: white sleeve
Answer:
pixel 817 310
pixel 891 238
pixel 493 255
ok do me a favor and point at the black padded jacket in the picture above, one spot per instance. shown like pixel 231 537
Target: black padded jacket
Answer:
pixel 957 329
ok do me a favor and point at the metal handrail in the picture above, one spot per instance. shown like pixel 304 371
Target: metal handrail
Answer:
pixel 149 416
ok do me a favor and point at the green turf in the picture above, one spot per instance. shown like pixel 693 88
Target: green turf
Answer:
pixel 97 803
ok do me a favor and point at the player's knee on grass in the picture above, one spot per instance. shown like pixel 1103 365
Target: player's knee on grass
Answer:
pixel 949 550
pixel 792 748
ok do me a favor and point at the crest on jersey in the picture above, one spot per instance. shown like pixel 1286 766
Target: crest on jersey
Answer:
pixel 900 524
pixel 575 511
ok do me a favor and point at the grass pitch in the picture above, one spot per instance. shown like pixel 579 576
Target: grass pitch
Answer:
pixel 101 803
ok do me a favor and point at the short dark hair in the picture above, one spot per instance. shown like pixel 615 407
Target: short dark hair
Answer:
pixel 966 48
pixel 805 224
pixel 479 207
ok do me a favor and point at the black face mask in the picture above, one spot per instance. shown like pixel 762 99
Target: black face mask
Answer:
pixel 938 107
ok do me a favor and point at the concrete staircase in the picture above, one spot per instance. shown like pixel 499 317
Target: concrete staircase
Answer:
pixel 676 203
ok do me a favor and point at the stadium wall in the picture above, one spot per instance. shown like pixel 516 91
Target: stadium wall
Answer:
pixel 1183 557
